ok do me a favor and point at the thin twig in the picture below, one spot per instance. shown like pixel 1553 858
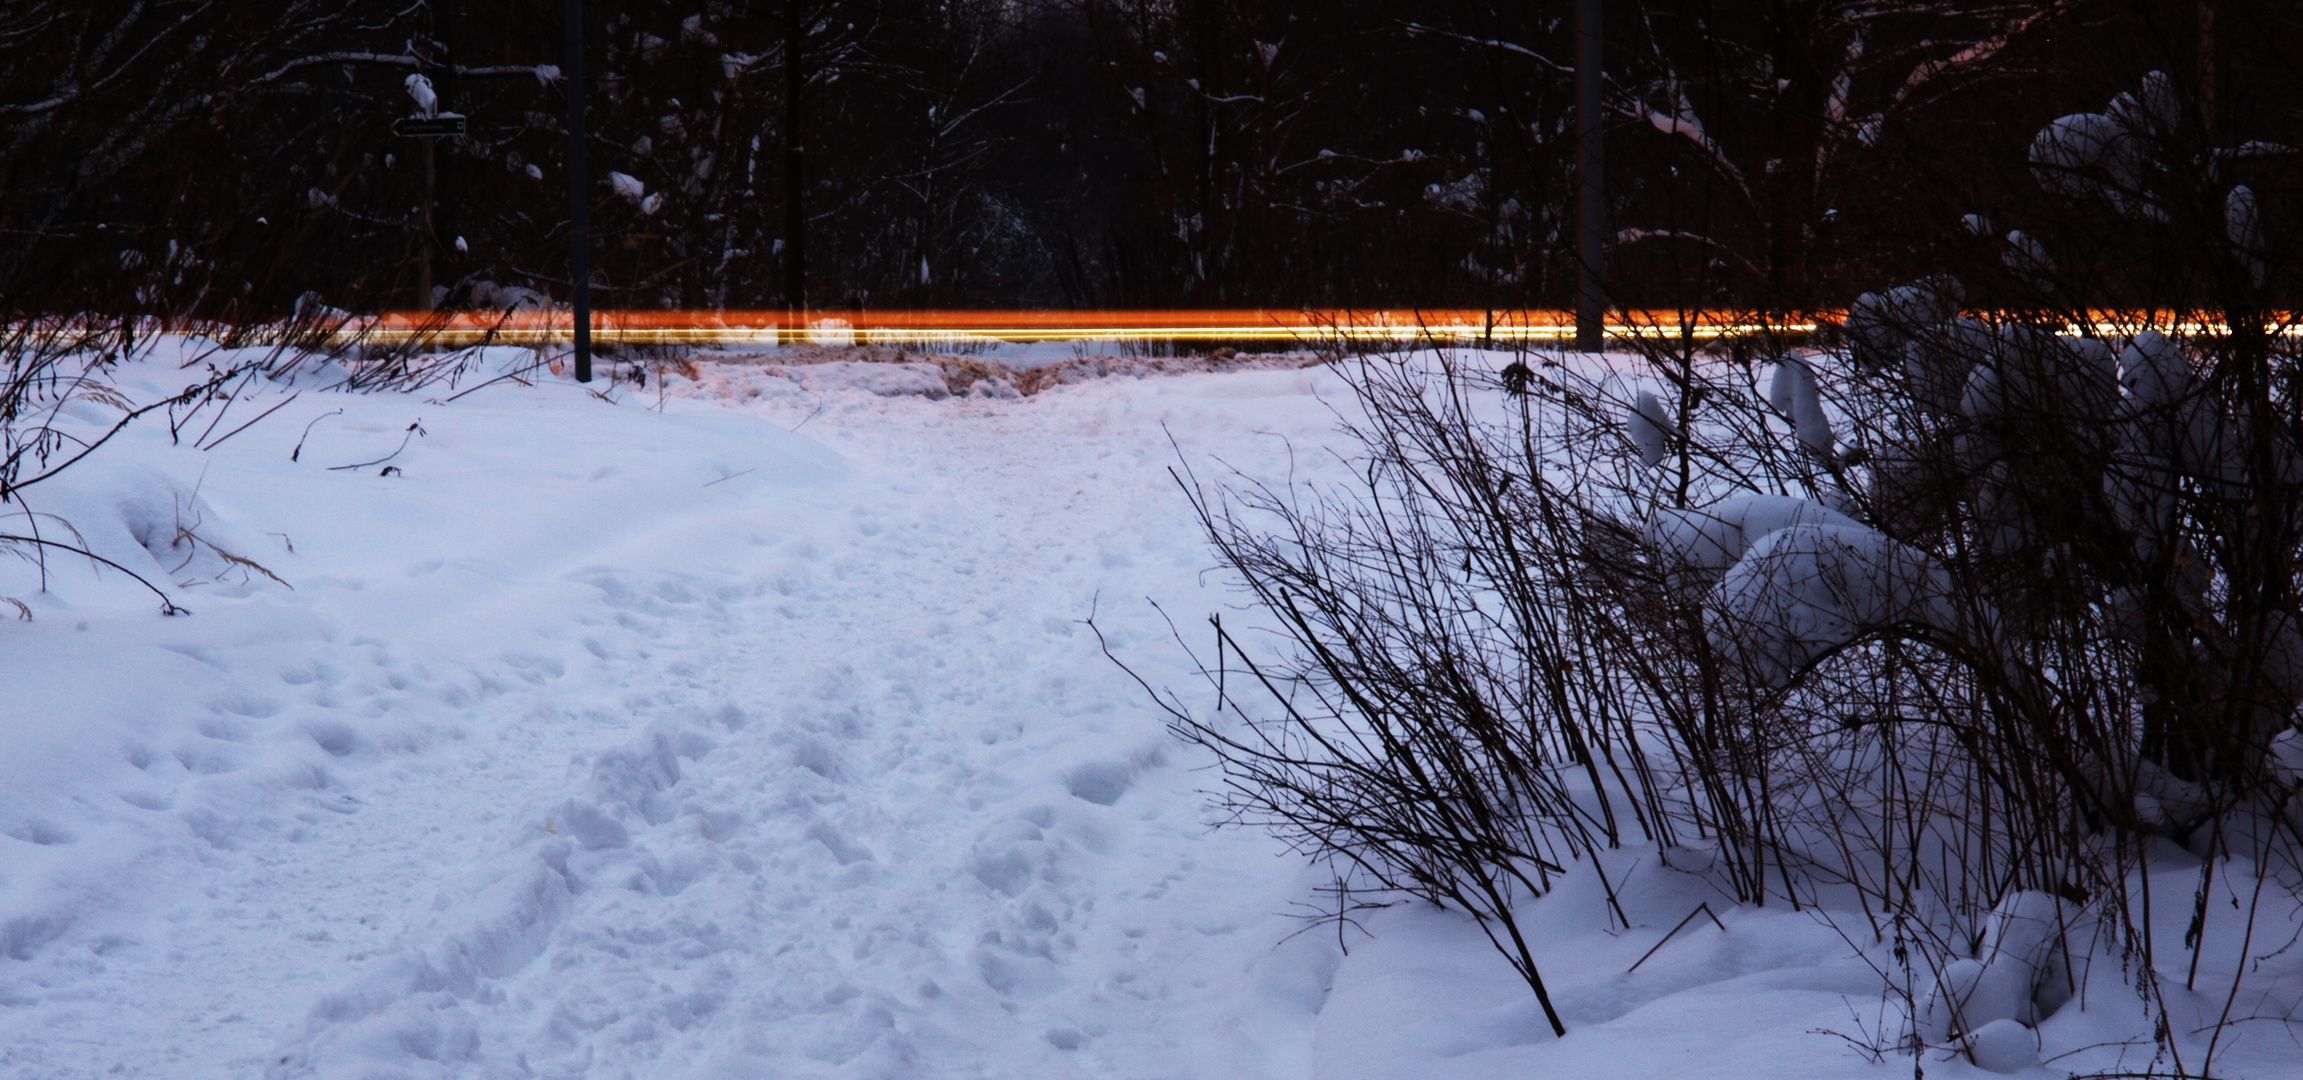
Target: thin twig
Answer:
pixel 298 452
pixel 167 606
pixel 414 430
pixel 252 423
pixel 1702 907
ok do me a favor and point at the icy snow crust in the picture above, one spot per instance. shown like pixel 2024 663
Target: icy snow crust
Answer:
pixel 609 741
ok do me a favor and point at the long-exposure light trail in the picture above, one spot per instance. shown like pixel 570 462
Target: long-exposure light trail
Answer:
pixel 1271 329
pixel 1268 327
pixel 1283 328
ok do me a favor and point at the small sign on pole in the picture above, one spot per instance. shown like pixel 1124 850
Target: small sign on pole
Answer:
pixel 425 127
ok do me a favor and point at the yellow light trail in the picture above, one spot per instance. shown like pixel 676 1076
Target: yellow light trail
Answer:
pixel 1283 328
pixel 1296 329
pixel 1273 328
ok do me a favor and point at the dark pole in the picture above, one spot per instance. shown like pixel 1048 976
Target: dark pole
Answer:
pixel 579 262
pixel 1590 200
pixel 426 234
pixel 795 171
pixel 440 203
pixel 430 234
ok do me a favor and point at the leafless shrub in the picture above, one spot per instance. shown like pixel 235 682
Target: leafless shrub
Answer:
pixel 1944 665
pixel 60 405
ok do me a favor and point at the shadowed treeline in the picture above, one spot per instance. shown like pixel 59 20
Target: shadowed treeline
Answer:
pixel 168 158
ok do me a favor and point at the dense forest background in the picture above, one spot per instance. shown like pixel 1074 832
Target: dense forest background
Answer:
pixel 225 161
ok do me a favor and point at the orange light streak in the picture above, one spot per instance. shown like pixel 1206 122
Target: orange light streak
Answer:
pixel 1284 328
pixel 1288 328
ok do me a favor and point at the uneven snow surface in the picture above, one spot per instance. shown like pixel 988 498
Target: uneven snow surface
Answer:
pixel 609 740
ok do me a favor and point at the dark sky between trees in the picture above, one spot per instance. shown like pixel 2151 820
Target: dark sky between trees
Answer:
pixel 223 160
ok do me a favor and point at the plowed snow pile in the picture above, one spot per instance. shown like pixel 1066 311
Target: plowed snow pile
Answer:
pixel 648 737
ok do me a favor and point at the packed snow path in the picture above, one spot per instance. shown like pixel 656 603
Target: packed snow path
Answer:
pixel 809 770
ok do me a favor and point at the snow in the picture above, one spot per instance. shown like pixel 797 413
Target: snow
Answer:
pixel 1699 545
pixel 420 89
pixel 2105 155
pixel 1881 325
pixel 1793 392
pixel 660 740
pixel 1651 428
pixel 2022 974
pixel 1801 591
pixel 647 736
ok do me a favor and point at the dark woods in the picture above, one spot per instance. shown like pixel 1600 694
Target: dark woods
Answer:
pixel 221 161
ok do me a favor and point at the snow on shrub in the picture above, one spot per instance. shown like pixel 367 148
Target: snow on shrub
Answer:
pixel 1699 545
pixel 1803 591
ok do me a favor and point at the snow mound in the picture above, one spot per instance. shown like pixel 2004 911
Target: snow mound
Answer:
pixel 1802 591
pixel 2021 976
pixel 2003 1046
pixel 149 521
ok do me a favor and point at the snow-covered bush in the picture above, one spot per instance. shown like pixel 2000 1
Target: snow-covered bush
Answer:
pixel 2060 624
pixel 1957 633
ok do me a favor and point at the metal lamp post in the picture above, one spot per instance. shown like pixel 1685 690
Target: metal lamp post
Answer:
pixel 579 263
pixel 1590 201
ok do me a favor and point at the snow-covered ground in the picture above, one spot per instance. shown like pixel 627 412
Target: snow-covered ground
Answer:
pixel 612 740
